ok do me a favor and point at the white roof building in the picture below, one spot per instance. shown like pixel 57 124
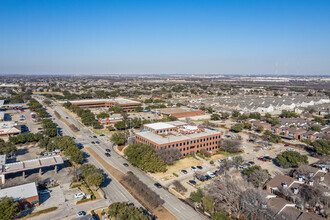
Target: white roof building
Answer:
pixel 20 192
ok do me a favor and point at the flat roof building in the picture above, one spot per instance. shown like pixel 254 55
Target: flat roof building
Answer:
pixel 187 138
pixel 180 112
pixel 26 195
pixel 9 129
pixel 125 104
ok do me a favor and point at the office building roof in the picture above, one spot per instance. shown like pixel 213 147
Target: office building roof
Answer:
pixel 20 192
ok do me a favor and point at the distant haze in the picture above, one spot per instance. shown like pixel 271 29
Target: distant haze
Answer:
pixel 274 37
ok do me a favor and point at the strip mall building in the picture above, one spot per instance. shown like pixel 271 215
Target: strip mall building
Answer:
pixel 181 135
pixel 126 104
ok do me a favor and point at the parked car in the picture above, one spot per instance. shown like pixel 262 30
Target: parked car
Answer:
pixel 200 167
pixel 102 135
pixel 49 154
pixel 44 191
pixel 290 149
pixel 97 142
pixel 268 158
pixel 210 173
pixel 94 136
pixel 261 158
pixel 193 169
pixel 207 177
pixel 158 185
pixel 192 182
pixel 184 171
pixel 79 195
pixel 54 153
pixel 251 162
pixel 286 145
pixel 93 142
pixel 67 117
pixel 81 213
pixel 107 154
pixel 125 164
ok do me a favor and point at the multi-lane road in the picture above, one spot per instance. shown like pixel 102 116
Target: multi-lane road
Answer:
pixel 115 191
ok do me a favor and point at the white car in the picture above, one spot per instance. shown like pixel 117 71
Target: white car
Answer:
pixel 290 149
pixel 79 195
pixel 194 169
pixel 211 174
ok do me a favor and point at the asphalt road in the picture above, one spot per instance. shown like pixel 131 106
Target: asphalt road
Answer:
pixel 172 203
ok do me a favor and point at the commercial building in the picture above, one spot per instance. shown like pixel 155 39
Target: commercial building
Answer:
pixel 126 104
pixel 26 195
pixel 179 112
pixel 9 129
pixel 10 106
pixel 176 134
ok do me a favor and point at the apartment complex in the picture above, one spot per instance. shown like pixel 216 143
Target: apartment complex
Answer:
pixel 126 104
pixel 176 134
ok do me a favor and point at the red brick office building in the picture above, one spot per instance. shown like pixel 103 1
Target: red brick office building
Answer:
pixel 176 134
pixel 26 195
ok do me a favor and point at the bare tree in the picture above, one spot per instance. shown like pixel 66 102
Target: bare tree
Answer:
pixel 254 205
pixel 179 187
pixel 232 146
pixel 258 178
pixel 169 155
pixel 226 194
pixel 303 170
pixel 205 153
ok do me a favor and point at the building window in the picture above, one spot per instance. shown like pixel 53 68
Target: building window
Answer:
pixel 180 144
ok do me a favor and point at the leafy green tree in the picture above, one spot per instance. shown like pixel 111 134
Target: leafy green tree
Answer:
pixel 259 129
pixel 111 128
pixel 235 114
pixel 220 216
pixel 224 115
pixel 237 127
pixel 255 115
pixel 321 146
pixel 139 109
pixel 102 115
pixel 123 211
pixel 115 109
pixel 215 117
pixel 247 125
pixel 291 159
pixel 319 120
pixel 267 115
pixel 7 148
pixel 95 179
pixel 144 157
pixel 315 128
pixel 197 196
pixel 75 154
pixel 8 208
pixel 208 204
pixel 119 138
pixel 288 114
pixel 267 132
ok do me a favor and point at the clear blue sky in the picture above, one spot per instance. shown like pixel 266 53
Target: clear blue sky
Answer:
pixel 170 36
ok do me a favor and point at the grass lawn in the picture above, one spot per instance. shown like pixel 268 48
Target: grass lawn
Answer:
pixel 179 165
pixel 102 131
pixel 84 189
pixel 221 155
pixel 40 212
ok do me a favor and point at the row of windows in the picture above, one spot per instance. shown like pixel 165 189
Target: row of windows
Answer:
pixel 198 145
pixel 208 149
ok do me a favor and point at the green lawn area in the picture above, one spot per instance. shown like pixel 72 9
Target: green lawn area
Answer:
pixel 40 212
pixel 102 131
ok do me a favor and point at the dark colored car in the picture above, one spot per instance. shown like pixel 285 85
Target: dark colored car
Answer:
pixel 251 162
pixel 158 185
pixel 261 158
pixel 268 158
pixel 200 167
pixel 207 177
pixel 97 142
pixel 192 182
pixel 67 117
pixel 125 164
pixel 184 171
pixel 93 142
pixel 107 150
pixel 286 145
pixel 94 136
pixel 107 154
pixel 102 135
pixel 251 140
